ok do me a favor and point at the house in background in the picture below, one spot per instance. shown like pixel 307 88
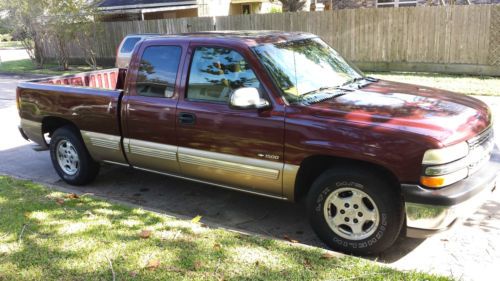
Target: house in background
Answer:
pixel 342 4
pixel 125 10
pixel 236 7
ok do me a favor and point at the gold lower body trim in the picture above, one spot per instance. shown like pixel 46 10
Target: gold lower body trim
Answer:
pixel 33 130
pixel 214 184
pixel 151 155
pixel 255 176
pixel 103 146
pixel 244 172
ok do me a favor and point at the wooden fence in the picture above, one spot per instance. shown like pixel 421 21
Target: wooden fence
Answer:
pixel 460 39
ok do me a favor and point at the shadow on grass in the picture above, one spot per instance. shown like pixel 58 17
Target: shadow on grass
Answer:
pixel 48 236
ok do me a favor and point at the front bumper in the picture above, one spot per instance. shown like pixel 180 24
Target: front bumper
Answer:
pixel 431 211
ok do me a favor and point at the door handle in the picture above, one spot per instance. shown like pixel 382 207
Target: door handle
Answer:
pixel 187 118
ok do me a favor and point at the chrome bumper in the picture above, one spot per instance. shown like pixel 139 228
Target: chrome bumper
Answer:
pixel 425 220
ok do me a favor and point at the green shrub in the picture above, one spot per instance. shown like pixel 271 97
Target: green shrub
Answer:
pixel 275 10
pixel 5 37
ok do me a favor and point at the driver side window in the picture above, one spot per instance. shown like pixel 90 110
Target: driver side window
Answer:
pixel 216 72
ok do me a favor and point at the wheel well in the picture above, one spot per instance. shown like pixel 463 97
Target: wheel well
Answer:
pixel 50 124
pixel 312 167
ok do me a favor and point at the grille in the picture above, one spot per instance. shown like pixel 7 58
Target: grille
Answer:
pixel 480 149
pixel 482 138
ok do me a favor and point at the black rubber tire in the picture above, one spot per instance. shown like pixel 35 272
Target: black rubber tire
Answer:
pixel 88 168
pixel 386 197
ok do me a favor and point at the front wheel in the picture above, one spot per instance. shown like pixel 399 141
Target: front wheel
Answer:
pixel 70 158
pixel 355 211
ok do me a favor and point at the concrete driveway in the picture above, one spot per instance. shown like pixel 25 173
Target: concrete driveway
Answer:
pixel 470 251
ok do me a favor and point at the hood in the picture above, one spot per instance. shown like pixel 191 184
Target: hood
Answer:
pixel 441 115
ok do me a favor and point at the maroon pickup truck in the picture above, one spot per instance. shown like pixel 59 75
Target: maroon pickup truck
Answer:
pixel 276 114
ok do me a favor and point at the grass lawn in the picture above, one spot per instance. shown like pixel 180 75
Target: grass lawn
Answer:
pixel 50 235
pixel 11 44
pixel 470 85
pixel 25 66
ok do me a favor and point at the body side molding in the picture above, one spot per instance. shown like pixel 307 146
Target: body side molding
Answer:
pixel 103 146
pixel 33 131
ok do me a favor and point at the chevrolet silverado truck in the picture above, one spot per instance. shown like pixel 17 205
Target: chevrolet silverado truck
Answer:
pixel 278 114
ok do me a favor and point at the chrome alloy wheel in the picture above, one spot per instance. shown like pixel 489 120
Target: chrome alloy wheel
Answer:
pixel 67 157
pixel 351 213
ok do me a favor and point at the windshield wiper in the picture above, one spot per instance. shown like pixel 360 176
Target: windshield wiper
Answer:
pixel 322 89
pixel 358 79
pixel 322 95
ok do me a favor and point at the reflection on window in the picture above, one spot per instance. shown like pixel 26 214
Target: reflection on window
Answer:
pixel 302 66
pixel 158 71
pixel 216 72
pixel 129 44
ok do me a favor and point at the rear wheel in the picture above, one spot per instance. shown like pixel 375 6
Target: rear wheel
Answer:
pixel 355 211
pixel 70 158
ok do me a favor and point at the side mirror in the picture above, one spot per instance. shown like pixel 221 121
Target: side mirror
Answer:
pixel 247 98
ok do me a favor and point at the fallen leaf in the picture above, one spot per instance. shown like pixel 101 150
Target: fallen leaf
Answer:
pixel 59 201
pixel 290 239
pixel 197 265
pixel 174 269
pixel 89 213
pixel 217 246
pixel 72 196
pixel 153 264
pixel 196 219
pixel 307 263
pixel 145 234
pixel 327 256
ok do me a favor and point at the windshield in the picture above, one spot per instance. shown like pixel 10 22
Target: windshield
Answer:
pixel 305 67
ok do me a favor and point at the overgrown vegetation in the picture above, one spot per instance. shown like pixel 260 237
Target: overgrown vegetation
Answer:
pixel 34 22
pixel 50 235
pixel 27 67
pixel 292 5
pixel 11 44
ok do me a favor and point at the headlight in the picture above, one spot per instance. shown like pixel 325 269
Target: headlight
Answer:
pixel 445 155
pixel 445 169
pixel 444 180
pixel 445 166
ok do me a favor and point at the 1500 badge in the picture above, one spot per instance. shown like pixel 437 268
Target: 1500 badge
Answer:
pixel 269 156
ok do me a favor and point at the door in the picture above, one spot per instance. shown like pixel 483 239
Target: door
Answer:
pixel 149 109
pixel 241 148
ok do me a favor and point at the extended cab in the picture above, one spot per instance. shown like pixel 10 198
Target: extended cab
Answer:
pixel 276 114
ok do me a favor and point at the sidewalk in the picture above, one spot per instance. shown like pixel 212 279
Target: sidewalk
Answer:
pixel 13 54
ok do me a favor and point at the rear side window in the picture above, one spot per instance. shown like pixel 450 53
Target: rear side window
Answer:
pixel 158 71
pixel 129 44
pixel 216 72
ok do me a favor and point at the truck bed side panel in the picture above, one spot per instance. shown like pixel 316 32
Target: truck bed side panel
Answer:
pixel 93 111
pixel 109 79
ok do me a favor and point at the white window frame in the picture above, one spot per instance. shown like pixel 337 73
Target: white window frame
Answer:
pixel 396 3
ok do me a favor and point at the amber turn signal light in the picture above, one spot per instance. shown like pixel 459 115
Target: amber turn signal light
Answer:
pixel 433 182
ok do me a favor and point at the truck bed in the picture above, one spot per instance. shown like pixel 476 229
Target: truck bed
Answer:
pixel 88 100
pixel 111 79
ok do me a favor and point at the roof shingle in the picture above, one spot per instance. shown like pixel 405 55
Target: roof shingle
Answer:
pixel 118 3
